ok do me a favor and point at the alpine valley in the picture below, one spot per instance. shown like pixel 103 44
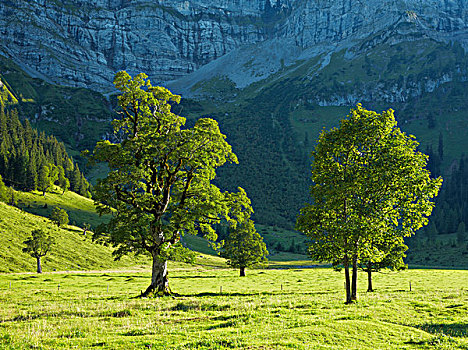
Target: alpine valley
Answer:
pixel 273 74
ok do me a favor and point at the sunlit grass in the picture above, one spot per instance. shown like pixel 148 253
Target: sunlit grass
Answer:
pixel 215 309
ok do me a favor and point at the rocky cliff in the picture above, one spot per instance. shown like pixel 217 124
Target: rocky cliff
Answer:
pixel 83 43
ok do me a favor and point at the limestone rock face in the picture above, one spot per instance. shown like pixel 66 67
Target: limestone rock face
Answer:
pixel 84 42
pixel 341 21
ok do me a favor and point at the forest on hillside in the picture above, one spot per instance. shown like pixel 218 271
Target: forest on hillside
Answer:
pixel 30 160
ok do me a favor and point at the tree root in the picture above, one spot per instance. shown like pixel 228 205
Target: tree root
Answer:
pixel 152 292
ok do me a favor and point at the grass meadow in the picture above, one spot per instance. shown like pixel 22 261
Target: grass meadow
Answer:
pixel 213 308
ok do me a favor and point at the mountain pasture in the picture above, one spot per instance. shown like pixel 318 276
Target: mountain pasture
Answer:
pixel 214 309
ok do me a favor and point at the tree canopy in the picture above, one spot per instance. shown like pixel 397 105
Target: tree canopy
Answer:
pixel 59 216
pixel 159 184
pixel 370 184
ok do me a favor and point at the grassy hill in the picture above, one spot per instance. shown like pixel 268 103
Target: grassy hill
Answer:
pixel 283 244
pixel 6 96
pixel 72 250
pixel 80 209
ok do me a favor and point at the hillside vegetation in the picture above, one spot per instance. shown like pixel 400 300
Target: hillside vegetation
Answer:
pixel 72 250
pixel 76 116
pixel 273 124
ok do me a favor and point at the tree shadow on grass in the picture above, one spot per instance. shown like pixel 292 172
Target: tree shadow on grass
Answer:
pixel 451 329
pixel 253 293
pixel 192 276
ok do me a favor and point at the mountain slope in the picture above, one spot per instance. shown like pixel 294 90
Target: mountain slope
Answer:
pixel 77 116
pixel 72 250
pixel 272 73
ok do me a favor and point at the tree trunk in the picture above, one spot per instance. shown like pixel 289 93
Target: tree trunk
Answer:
pixel 242 271
pixel 354 281
pixel 159 280
pixel 39 266
pixel 369 280
pixel 347 284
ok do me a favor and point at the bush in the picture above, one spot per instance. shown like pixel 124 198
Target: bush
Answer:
pixel 59 216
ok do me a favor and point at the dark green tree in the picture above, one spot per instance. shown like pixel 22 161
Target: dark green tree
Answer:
pixel 159 184
pixel 3 191
pixel 38 245
pixel 59 216
pixel 244 247
pixel 62 181
pixel 31 175
pixel 369 183
pixel 461 233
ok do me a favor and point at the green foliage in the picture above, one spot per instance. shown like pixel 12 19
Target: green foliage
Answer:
pixel 393 253
pixel 59 217
pixel 244 247
pixel 48 175
pixel 370 186
pixel 39 244
pixel 159 185
pixel 3 191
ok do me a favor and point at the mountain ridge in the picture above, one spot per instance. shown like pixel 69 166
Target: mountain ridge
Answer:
pixel 83 43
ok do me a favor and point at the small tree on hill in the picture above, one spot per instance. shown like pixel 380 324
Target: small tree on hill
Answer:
pixel 370 183
pixel 38 245
pixel 86 227
pixel 59 216
pixel 244 247
pixel 48 174
pixel 62 181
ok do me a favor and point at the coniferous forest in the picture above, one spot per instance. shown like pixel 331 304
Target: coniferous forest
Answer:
pixel 30 160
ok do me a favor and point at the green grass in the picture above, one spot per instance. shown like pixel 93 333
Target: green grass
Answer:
pixel 72 251
pixel 268 309
pixel 6 97
pixel 80 209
